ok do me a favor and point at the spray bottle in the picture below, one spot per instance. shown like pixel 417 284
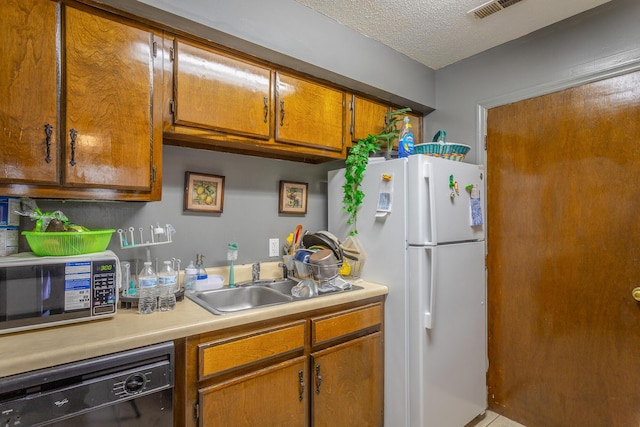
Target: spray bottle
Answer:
pixel 405 142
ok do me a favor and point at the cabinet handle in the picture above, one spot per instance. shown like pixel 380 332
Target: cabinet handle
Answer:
pixel 266 108
pixel 281 113
pixel 318 379
pixel 301 378
pixel 73 134
pixel 48 131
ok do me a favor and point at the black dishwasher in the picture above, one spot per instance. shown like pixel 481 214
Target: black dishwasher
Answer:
pixel 131 388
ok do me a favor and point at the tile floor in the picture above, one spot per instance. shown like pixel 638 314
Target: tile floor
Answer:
pixel 491 419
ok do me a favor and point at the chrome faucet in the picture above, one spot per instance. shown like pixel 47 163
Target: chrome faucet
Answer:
pixel 285 270
pixel 255 272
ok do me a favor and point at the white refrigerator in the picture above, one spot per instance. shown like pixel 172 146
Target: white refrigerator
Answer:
pixel 422 227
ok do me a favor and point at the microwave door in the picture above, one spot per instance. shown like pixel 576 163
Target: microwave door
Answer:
pixel 23 293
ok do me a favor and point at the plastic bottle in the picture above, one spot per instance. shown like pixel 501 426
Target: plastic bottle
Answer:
pixel 201 276
pixel 190 277
pixel 405 142
pixel 167 279
pixel 148 289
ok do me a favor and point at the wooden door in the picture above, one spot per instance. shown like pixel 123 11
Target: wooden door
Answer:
pixel 217 92
pixel 347 384
pixel 563 241
pixel 109 89
pixel 309 114
pixel 28 91
pixel 274 396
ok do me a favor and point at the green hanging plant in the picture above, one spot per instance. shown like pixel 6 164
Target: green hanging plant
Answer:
pixel 357 161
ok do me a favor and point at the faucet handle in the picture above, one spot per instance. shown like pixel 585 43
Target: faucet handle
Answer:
pixel 255 271
pixel 285 270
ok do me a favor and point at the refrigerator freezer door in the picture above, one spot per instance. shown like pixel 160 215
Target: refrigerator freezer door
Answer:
pixel 439 205
pixel 448 358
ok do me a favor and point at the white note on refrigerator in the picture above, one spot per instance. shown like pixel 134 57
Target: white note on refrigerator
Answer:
pixel 475 207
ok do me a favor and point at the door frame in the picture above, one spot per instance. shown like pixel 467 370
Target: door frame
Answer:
pixel 543 89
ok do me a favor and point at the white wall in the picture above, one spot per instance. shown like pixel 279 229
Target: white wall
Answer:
pixel 599 39
pixel 250 213
pixel 290 34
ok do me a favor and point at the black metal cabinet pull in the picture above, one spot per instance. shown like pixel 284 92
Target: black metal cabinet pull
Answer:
pixel 301 379
pixel 281 113
pixel 266 109
pixel 48 131
pixel 74 135
pixel 318 379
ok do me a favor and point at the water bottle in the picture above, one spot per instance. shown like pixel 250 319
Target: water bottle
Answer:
pixel 167 279
pixel 190 277
pixel 147 291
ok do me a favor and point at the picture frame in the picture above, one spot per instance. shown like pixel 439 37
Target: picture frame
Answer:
pixel 293 197
pixel 203 192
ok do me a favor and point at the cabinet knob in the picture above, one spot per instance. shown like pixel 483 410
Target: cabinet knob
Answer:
pixel 318 379
pixel 48 131
pixel 636 294
pixel 281 113
pixel 266 109
pixel 73 134
pixel 301 379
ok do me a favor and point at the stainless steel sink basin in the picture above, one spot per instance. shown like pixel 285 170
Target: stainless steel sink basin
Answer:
pixel 250 295
pixel 230 300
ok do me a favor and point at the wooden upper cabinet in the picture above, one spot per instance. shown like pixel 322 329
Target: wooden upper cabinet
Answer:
pixel 109 84
pixel 28 91
pixel 368 117
pixel 309 114
pixel 214 91
pixel 416 127
pixel 76 104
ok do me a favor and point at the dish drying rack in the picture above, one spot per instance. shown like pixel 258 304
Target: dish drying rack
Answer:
pixel 157 236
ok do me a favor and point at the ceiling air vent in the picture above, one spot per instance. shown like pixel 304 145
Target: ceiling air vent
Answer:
pixel 491 7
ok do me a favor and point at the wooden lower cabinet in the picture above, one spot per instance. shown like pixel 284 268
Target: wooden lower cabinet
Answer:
pixel 274 396
pixel 320 368
pixel 347 384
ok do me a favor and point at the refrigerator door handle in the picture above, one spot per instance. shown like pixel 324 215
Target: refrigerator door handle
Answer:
pixel 428 314
pixel 428 176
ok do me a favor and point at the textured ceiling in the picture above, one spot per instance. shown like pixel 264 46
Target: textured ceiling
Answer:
pixel 440 32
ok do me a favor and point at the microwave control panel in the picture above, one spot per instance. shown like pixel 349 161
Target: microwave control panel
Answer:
pixel 105 287
pixel 90 285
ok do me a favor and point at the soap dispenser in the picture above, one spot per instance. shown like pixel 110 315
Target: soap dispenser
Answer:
pixel 201 275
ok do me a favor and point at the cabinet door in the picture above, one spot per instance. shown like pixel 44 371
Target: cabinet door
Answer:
pixel 368 118
pixel 416 127
pixel 347 384
pixel 109 89
pixel 275 396
pixel 309 114
pixel 28 91
pixel 217 92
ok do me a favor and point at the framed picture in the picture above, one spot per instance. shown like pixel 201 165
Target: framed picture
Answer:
pixel 203 192
pixel 293 197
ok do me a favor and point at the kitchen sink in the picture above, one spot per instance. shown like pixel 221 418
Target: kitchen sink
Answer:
pixel 230 300
pixel 250 295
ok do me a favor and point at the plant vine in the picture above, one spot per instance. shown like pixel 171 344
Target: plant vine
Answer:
pixel 357 161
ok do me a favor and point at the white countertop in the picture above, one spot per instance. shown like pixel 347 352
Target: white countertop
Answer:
pixel 26 351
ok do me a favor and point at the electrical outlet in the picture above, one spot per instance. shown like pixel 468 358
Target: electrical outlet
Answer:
pixel 274 247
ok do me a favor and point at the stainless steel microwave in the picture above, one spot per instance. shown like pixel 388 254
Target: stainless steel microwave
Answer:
pixel 36 292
